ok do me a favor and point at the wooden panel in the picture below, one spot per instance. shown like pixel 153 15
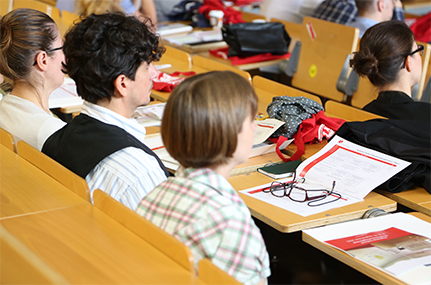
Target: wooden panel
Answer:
pixel 177 54
pixel 25 189
pixel 348 113
pixel 323 53
pixel 294 30
pixel 426 58
pixel 249 17
pixel 266 89
pixel 5 7
pixel 209 64
pixel 87 247
pixel 211 274
pixel 417 199
pixel 19 265
pixel 57 171
pixel 7 139
pixel 365 94
pixel 149 232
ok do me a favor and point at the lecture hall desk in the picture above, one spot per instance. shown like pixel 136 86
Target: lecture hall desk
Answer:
pixel 358 265
pixel 86 246
pixel 288 222
pixel 25 189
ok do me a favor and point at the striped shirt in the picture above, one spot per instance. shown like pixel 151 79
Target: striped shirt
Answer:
pixel 201 209
pixel 128 174
pixel 345 11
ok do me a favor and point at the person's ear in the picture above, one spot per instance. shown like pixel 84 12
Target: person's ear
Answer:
pixel 41 61
pixel 121 85
pixel 381 5
pixel 409 63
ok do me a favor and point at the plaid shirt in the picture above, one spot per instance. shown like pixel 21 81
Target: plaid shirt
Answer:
pixel 344 11
pixel 201 209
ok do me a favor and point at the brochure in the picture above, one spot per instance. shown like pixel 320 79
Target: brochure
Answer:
pixel 398 244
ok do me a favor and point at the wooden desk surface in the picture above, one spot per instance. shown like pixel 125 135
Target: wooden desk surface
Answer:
pixel 26 189
pixel 360 266
pixel 86 246
pixel 287 222
pixel 417 199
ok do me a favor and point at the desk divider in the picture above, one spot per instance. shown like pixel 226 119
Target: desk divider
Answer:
pixel 146 230
pixel 54 169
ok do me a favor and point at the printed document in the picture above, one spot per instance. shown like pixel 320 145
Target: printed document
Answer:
pixel 65 96
pixel 355 169
pixel 398 244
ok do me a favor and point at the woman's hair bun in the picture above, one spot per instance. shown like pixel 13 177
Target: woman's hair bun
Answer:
pixel 364 63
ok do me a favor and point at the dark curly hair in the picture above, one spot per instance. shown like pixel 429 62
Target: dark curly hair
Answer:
pixel 101 47
pixel 382 51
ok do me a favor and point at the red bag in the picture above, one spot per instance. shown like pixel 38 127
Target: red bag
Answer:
pixel 422 28
pixel 166 82
pixel 311 130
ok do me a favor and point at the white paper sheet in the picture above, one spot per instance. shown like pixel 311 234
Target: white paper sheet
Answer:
pixel 150 115
pixel 265 128
pixel 65 96
pixel 356 171
pixel 295 207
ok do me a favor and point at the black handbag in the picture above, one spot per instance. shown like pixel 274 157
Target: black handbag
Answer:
pixel 248 39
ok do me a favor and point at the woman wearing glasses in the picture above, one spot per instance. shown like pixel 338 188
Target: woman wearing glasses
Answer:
pixel 391 59
pixel 31 57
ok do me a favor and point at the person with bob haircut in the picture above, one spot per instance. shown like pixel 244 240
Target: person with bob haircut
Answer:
pixel 110 56
pixel 208 126
pixel 31 58
pixel 389 56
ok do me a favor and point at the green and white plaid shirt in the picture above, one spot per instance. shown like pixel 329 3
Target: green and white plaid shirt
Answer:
pixel 200 208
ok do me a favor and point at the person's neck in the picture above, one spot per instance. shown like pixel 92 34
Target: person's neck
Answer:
pixel 116 105
pixel 38 97
pixel 225 169
pixel 397 87
pixel 371 16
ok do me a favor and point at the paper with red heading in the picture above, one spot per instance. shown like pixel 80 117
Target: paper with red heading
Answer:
pixel 398 244
pixel 356 170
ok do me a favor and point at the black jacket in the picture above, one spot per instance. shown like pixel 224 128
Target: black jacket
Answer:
pixel 406 139
pixel 399 106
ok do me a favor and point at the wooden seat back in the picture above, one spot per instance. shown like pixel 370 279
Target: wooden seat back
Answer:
pixel 426 70
pixel 212 64
pixel 211 274
pixel 294 30
pixel 146 230
pixel 7 139
pixel 266 89
pixel 249 17
pixel 348 113
pixel 50 10
pixel 325 47
pixel 54 169
pixel 178 55
pixel 5 7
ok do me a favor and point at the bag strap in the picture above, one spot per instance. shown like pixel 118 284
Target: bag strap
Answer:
pixel 299 142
